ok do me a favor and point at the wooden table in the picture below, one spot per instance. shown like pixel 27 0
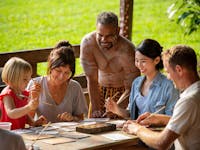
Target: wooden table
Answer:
pixel 93 142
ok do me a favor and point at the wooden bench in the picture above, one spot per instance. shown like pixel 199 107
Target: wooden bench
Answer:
pixel 37 56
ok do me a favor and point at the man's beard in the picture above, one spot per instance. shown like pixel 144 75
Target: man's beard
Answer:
pixel 104 48
pixel 110 44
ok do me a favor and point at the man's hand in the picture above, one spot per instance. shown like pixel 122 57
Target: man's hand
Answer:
pixel 131 127
pixel 147 119
pixel 97 114
pixel 144 119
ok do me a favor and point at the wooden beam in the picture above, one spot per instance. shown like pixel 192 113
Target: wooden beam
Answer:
pixel 33 56
pixel 126 18
pixel 36 56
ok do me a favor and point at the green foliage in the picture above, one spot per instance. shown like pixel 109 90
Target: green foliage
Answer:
pixel 187 14
pixel 150 21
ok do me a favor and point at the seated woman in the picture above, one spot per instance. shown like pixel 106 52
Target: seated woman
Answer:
pixel 61 98
pixel 152 90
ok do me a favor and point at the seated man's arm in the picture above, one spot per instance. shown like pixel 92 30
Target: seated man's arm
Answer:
pixel 157 140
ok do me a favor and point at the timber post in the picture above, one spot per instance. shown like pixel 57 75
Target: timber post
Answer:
pixel 126 18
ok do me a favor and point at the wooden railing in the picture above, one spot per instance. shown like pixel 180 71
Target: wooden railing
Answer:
pixel 37 56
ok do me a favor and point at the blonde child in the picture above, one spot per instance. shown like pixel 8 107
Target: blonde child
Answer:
pixel 15 102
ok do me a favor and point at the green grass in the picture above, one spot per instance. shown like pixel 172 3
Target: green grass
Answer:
pixel 150 21
pixel 38 24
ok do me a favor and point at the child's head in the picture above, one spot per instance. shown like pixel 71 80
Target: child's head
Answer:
pixel 16 73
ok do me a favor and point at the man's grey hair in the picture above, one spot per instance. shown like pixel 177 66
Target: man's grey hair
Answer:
pixel 106 18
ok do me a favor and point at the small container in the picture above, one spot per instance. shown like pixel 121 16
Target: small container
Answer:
pixel 5 125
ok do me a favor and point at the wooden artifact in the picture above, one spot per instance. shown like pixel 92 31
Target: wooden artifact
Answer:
pixel 96 128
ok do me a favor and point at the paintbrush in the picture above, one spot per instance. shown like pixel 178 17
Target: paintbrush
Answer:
pixel 47 103
pixel 156 112
pixel 46 126
pixel 22 96
pixel 36 80
pixel 121 100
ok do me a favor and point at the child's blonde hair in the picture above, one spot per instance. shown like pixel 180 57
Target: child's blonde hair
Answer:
pixel 13 71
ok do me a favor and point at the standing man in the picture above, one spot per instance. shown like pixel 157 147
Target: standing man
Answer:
pixel 183 127
pixel 108 62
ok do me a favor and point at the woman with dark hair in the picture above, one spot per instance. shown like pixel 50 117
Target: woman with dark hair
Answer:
pixel 152 90
pixel 61 98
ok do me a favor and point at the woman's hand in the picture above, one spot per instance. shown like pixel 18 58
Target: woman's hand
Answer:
pixel 41 120
pixel 111 105
pixel 65 117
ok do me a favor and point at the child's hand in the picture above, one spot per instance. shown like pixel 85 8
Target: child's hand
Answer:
pixel 35 91
pixel 41 120
pixel 65 117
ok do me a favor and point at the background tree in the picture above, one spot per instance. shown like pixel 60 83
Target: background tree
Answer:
pixel 187 14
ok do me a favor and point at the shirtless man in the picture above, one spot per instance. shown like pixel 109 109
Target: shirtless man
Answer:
pixel 108 62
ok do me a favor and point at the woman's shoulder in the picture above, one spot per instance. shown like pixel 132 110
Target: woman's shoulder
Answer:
pixel 74 86
pixel 74 83
pixel 163 80
pixel 137 82
pixel 138 79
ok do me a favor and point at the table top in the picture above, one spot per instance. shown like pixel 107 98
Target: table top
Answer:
pixel 65 137
pixel 93 142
